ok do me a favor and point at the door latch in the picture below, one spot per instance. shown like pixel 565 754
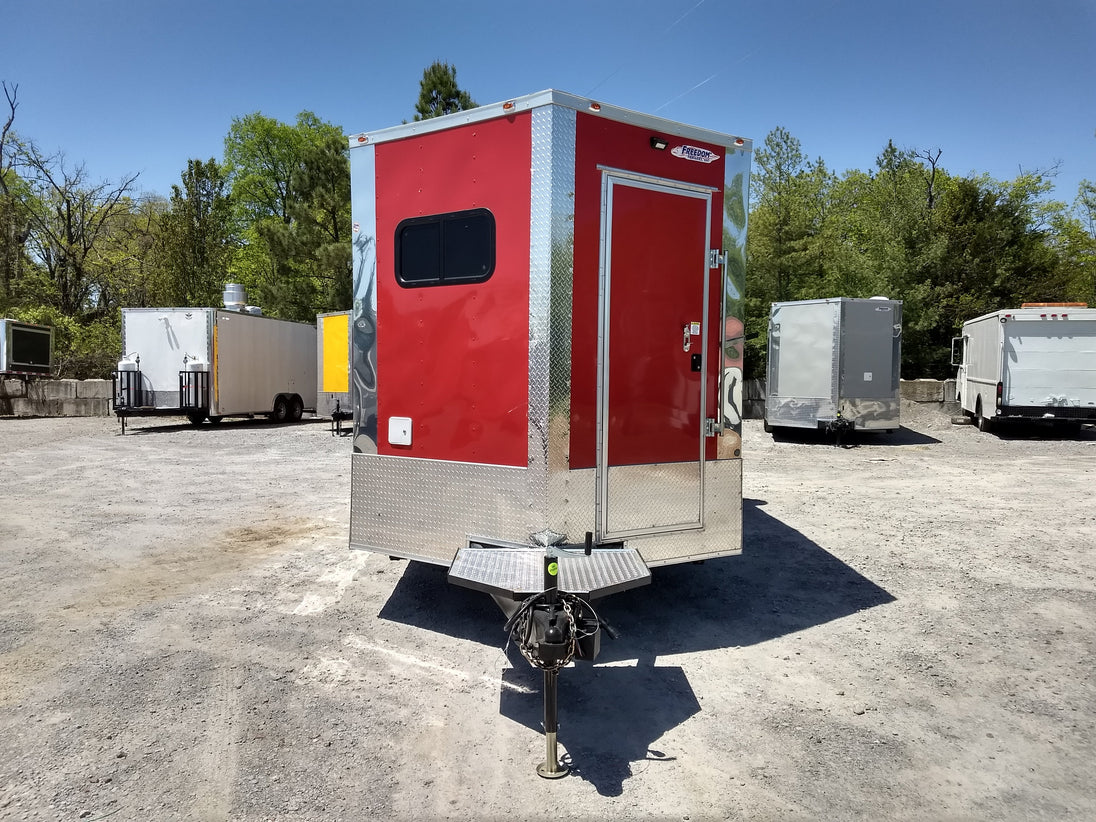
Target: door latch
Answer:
pixel 687 339
pixel 711 427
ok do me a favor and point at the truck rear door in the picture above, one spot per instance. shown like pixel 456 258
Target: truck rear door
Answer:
pixel 1049 362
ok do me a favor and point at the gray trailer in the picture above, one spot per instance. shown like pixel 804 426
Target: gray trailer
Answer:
pixel 834 364
pixel 26 350
pixel 1036 362
pixel 211 363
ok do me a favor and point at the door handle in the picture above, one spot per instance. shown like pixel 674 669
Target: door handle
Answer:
pixel 687 339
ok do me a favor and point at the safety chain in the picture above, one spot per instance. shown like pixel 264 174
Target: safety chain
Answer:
pixel 523 632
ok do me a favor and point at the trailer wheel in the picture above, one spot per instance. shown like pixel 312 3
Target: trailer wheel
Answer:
pixel 215 420
pixel 281 409
pixel 296 409
pixel 1069 428
pixel 196 417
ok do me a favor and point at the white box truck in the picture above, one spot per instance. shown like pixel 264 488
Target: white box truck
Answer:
pixel 834 364
pixel 211 363
pixel 1036 362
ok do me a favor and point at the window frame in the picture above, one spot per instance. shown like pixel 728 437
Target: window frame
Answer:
pixel 441 220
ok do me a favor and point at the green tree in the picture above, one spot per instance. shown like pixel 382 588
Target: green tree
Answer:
pixel 950 248
pixel 196 237
pixel 439 93
pixel 1085 206
pixel 68 222
pixel 315 243
pixel 779 215
pixel 777 244
pixel 264 157
pixel 13 233
pixel 260 156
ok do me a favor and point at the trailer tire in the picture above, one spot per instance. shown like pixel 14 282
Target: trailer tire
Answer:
pixel 196 417
pixel 215 420
pixel 281 409
pixel 296 408
pixel 1070 429
pixel 768 429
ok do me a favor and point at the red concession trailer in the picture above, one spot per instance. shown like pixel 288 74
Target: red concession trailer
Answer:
pixel 547 354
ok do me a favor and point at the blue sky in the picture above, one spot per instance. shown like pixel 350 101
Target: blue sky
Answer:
pixel 1000 86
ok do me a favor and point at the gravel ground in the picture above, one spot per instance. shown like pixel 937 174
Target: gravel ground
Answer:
pixel 908 634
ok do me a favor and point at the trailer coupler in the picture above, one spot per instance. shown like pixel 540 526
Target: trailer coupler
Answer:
pixel 837 427
pixel 551 626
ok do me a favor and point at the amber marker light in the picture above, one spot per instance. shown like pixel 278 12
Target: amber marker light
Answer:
pixel 508 105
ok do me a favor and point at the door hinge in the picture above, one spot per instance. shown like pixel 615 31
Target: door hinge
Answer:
pixel 716 258
pixel 711 427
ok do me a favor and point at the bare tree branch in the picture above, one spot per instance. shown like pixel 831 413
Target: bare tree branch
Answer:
pixel 12 95
pixel 931 159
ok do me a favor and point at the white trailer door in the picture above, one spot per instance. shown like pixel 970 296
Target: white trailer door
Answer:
pixel 162 337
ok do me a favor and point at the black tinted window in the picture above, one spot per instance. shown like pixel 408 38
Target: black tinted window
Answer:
pixel 446 249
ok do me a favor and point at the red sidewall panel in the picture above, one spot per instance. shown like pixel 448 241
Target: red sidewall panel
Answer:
pixel 455 358
pixel 623 146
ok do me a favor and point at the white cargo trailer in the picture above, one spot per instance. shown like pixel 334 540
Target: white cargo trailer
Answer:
pixel 26 350
pixel 1036 362
pixel 211 363
pixel 834 364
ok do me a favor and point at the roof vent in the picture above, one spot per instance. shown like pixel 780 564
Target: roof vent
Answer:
pixel 234 297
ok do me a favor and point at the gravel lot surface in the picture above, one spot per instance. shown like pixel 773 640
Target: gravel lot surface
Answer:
pixel 908 634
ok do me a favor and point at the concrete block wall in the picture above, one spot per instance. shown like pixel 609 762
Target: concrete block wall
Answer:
pixel 54 398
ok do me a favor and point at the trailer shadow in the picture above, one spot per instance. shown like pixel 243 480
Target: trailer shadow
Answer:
pixel 424 599
pixel 149 425
pixel 1039 430
pixel 853 439
pixel 782 583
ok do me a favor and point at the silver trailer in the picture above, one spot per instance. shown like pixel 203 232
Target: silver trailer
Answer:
pixel 1037 362
pixel 834 364
pixel 333 368
pixel 26 350
pixel 211 363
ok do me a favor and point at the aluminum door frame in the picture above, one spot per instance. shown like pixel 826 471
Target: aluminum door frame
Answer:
pixel 611 177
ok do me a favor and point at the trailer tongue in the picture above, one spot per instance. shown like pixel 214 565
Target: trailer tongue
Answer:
pixel 547 356
pixel 547 598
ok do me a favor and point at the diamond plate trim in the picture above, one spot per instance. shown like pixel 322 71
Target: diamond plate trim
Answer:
pixel 520 572
pixel 425 509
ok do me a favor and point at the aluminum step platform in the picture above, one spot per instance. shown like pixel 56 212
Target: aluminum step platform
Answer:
pixel 515 573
